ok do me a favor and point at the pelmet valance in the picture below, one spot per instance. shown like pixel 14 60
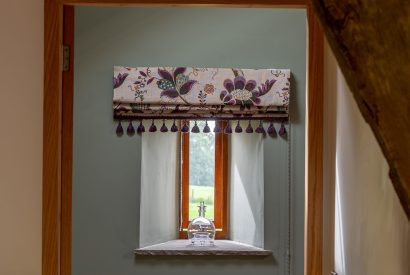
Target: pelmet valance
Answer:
pixel 200 94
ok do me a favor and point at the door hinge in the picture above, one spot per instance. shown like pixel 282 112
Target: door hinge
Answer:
pixel 66 58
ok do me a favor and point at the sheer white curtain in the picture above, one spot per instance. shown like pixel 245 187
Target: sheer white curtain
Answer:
pixel 246 188
pixel 159 187
pixel 159 220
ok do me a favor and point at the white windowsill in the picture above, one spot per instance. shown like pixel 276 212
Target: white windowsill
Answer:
pixel 183 248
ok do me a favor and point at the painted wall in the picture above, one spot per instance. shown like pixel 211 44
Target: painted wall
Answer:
pixel 21 120
pixel 372 233
pixel 107 169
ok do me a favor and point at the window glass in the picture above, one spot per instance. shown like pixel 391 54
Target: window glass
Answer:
pixel 201 170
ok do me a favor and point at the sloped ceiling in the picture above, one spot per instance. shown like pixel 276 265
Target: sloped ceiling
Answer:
pixel 371 41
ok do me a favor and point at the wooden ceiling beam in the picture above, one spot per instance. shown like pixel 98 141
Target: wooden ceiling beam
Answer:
pixel 371 42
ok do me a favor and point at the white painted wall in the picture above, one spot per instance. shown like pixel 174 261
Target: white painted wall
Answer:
pixel 21 90
pixel 372 233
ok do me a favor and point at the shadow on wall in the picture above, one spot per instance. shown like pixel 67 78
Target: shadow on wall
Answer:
pixel 225 262
pixel 294 109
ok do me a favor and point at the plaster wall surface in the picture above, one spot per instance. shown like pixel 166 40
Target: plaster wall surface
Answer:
pixel 21 120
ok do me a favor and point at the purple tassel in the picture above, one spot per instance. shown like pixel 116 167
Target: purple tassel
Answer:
pixel 174 127
pixel 120 130
pixel 260 129
pixel 238 128
pixel 163 128
pixel 130 129
pixel 282 130
pixel 185 128
pixel 195 129
pixel 249 129
pixel 152 128
pixel 141 128
pixel 271 129
pixel 228 128
pixel 206 128
pixel 217 128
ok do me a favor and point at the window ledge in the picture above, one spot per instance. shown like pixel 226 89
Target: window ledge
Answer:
pixel 183 248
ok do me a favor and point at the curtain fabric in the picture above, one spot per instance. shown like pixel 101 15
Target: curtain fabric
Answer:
pixel 200 93
pixel 246 194
pixel 159 220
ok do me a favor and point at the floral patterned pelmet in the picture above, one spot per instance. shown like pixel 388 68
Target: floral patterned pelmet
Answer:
pixel 200 93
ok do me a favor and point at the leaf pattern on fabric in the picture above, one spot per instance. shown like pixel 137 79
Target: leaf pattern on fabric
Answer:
pixel 179 70
pixel 266 87
pixel 202 98
pixel 175 86
pixel 165 75
pixel 118 80
pixel 171 93
pixel 186 87
pixel 150 80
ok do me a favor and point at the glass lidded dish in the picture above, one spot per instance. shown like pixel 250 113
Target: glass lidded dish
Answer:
pixel 201 231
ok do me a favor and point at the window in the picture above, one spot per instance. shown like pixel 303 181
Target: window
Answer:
pixel 204 176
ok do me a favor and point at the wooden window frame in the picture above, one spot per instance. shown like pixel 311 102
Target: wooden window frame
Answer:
pixel 58 114
pixel 220 183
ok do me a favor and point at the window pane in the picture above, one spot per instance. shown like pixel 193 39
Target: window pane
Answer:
pixel 201 170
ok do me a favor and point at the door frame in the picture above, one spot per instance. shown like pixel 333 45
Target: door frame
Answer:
pixel 58 121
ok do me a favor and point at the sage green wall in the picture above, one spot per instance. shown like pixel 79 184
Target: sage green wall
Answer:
pixel 106 172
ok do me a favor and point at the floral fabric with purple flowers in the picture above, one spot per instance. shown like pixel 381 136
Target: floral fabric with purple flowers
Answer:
pixel 200 93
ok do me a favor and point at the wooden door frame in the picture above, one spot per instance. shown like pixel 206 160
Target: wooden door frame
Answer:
pixel 57 130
